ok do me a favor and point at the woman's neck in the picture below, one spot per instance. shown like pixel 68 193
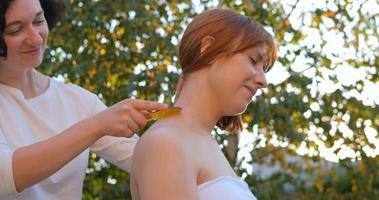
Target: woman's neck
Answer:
pixel 200 108
pixel 30 82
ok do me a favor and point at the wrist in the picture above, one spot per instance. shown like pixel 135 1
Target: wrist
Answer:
pixel 93 126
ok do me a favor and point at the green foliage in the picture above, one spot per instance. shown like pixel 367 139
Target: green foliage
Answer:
pixel 127 49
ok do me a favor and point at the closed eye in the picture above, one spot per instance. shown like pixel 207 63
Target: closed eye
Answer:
pixel 39 22
pixel 252 60
pixel 14 31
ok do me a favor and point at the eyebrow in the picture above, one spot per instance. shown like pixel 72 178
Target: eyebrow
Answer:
pixel 18 22
pixel 260 57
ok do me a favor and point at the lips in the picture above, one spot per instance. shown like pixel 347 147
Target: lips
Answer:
pixel 252 90
pixel 35 51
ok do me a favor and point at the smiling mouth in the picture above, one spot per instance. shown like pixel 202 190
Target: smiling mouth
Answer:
pixel 33 51
pixel 252 91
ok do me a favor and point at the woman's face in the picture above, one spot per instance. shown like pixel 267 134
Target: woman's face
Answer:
pixel 236 79
pixel 25 34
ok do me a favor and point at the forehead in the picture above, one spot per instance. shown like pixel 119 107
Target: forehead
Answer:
pixel 259 50
pixel 22 9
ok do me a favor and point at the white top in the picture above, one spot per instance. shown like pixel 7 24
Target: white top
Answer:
pixel 225 188
pixel 24 122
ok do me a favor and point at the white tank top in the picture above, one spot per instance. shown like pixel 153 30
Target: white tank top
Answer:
pixel 225 188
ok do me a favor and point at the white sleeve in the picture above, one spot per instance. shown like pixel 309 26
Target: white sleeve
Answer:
pixel 6 171
pixel 117 150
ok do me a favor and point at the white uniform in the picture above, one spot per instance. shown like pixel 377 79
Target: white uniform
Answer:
pixel 225 188
pixel 24 122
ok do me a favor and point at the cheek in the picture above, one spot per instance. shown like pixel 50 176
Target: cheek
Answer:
pixel 227 83
pixel 13 43
pixel 44 34
pixel 234 79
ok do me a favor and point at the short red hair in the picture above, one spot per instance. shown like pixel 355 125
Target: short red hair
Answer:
pixel 233 33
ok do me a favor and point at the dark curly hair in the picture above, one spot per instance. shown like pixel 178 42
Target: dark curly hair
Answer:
pixel 53 11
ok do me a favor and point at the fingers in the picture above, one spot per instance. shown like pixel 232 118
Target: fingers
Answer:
pixel 146 114
pixel 131 122
pixel 139 119
pixel 125 132
pixel 132 125
pixel 132 115
pixel 146 105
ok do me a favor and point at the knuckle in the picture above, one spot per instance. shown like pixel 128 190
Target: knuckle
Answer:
pixel 134 127
pixel 127 104
pixel 128 101
pixel 134 130
pixel 120 129
pixel 145 104
pixel 125 129
pixel 129 132
pixel 143 122
pixel 139 127
pixel 126 118
pixel 127 109
pixel 151 103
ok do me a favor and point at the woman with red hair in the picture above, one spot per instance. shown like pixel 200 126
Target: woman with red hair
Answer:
pixel 224 57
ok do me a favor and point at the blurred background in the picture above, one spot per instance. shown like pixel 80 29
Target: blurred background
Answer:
pixel 312 134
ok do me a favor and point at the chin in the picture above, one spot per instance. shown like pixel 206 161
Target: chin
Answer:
pixel 34 63
pixel 242 110
pixel 239 109
pixel 235 107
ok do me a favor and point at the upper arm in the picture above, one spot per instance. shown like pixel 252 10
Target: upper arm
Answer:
pixel 117 150
pixel 6 172
pixel 98 105
pixel 162 169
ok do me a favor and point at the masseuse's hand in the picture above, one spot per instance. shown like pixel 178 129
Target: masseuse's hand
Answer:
pixel 125 118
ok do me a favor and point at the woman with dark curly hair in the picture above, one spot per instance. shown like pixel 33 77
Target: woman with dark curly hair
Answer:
pixel 46 126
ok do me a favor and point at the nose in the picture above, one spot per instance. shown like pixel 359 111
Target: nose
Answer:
pixel 260 79
pixel 33 37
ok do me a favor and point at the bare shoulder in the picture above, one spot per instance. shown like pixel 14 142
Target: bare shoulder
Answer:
pixel 162 158
pixel 161 138
pixel 163 144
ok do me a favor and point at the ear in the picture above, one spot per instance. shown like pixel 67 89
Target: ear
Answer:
pixel 206 42
pixel 179 87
